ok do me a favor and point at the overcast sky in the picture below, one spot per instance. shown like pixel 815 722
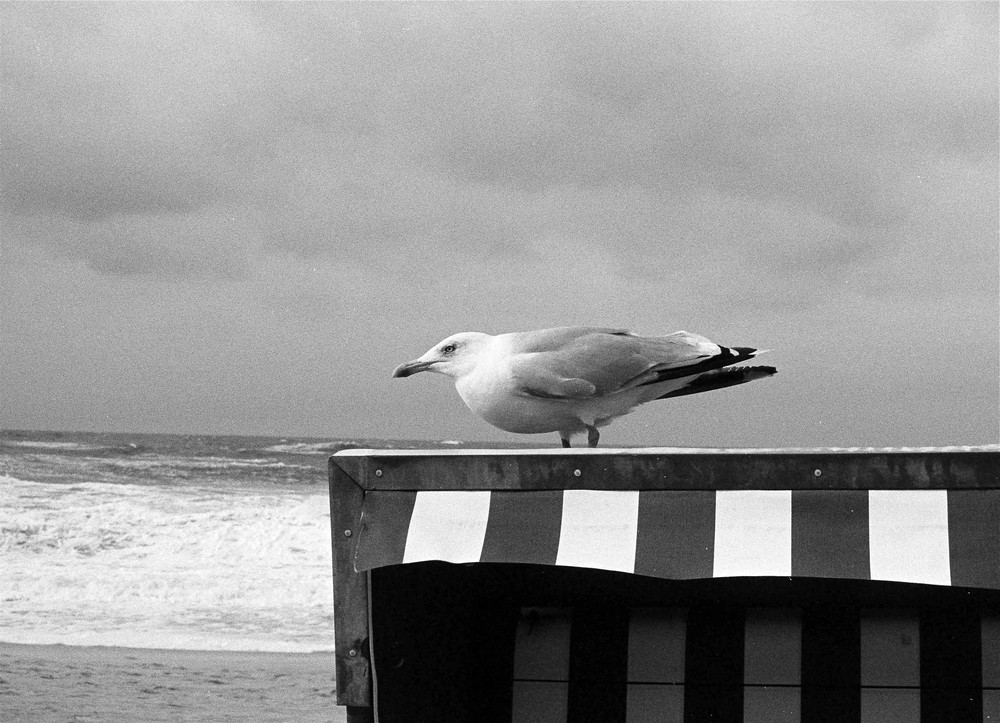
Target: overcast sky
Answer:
pixel 238 218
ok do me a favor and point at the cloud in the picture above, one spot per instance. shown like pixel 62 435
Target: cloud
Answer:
pixel 734 98
pixel 106 114
pixel 784 139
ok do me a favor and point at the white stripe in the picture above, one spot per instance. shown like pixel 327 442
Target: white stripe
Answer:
pixel 449 526
pixel 753 533
pixel 599 529
pixel 908 536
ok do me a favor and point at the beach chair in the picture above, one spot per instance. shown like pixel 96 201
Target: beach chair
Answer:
pixel 667 585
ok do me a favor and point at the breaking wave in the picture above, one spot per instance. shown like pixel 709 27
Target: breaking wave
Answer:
pixel 168 567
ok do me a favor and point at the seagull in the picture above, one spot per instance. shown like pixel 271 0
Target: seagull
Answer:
pixel 575 379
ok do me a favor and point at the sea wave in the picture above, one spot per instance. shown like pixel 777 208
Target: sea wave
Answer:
pixel 204 463
pixel 30 444
pixel 48 446
pixel 236 474
pixel 307 447
pixel 327 448
pixel 172 567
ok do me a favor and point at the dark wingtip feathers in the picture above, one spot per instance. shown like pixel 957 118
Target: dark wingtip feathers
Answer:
pixel 725 357
pixel 720 379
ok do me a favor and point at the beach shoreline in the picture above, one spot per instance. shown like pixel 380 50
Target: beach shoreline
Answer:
pixel 89 683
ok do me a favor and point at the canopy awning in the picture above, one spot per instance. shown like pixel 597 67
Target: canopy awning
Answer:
pixel 931 536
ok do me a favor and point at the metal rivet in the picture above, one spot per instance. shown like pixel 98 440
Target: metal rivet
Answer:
pixel 378 473
pixel 352 653
pixel 347 533
pixel 818 473
pixel 576 473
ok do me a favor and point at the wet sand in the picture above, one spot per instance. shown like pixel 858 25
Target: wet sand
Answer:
pixel 70 683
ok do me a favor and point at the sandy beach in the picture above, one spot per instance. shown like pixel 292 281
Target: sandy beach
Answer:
pixel 74 683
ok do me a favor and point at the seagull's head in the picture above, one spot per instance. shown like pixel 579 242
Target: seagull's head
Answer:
pixel 455 356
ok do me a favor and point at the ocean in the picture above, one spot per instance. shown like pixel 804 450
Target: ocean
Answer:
pixel 168 541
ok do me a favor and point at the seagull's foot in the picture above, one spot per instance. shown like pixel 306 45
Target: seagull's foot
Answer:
pixel 593 436
pixel 565 442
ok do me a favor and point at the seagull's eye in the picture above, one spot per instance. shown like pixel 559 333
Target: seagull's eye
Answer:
pixel 448 349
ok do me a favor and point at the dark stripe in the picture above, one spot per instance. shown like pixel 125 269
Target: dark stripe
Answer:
pixel 831 665
pixel 492 644
pixel 974 537
pixel 713 664
pixel 598 664
pixel 676 534
pixel 830 534
pixel 951 671
pixel 385 522
pixel 523 527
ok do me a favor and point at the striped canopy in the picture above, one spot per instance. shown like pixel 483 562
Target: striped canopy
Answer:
pixel 939 537
pixel 949 535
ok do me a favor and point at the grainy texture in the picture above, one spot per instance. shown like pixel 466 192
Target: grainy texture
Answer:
pixel 69 683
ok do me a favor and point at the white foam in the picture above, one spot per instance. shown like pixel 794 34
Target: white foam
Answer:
pixel 304 448
pixel 28 444
pixel 168 567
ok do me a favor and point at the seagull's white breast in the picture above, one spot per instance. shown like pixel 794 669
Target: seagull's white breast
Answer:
pixel 490 390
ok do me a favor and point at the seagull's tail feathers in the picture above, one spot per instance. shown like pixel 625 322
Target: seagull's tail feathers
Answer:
pixel 721 378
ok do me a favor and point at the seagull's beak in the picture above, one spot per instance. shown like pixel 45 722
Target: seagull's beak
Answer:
pixel 411 367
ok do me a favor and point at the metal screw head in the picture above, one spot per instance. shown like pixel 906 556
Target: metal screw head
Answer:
pixel 576 473
pixel 352 653
pixel 347 533
pixel 818 472
pixel 378 473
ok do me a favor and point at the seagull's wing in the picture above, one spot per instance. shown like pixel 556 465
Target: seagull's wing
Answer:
pixel 537 380
pixel 582 362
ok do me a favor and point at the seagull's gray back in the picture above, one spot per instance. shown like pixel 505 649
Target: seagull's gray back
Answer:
pixel 610 359
pixel 546 340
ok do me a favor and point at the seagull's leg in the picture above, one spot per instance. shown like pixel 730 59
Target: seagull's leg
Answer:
pixel 565 441
pixel 592 436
